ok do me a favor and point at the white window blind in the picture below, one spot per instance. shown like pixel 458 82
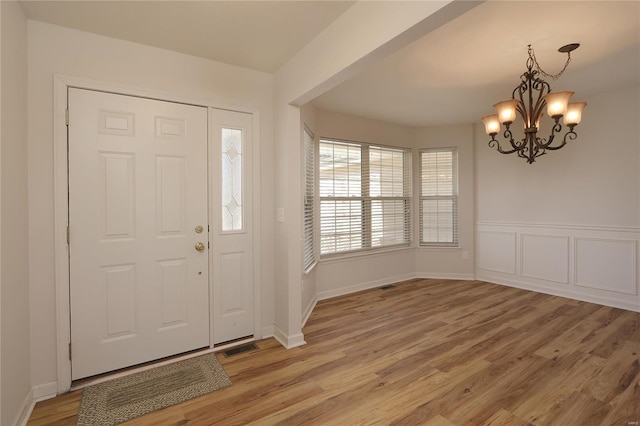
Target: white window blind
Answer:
pixel 439 197
pixel 309 255
pixel 365 196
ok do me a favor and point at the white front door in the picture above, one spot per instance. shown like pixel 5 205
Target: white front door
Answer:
pixel 139 284
pixel 231 225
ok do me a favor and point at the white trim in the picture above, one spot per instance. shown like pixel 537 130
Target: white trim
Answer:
pixel 257 229
pixel 267 331
pixel 36 394
pixel 329 294
pixel 445 276
pixel 443 249
pixel 102 86
pixel 309 310
pixel 562 292
pixel 634 267
pixel 60 85
pixel 310 268
pixel 289 342
pixel 625 298
pixel 26 408
pixel 60 217
pixel 523 237
pixel 560 226
pixel 44 391
pixel 513 269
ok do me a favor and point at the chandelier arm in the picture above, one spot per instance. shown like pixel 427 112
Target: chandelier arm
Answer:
pixel 518 146
pixel 557 127
pixel 494 143
pixel 570 135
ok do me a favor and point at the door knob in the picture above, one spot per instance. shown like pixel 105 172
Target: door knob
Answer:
pixel 200 246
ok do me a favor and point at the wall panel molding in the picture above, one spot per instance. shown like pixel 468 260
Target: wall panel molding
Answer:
pixel 502 256
pixel 545 257
pixel 606 264
pixel 596 264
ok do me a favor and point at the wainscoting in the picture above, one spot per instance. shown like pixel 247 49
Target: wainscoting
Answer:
pixel 594 264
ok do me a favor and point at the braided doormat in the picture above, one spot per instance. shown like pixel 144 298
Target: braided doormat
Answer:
pixel 125 398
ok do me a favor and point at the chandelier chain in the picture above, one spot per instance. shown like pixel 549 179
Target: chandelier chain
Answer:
pixel 532 56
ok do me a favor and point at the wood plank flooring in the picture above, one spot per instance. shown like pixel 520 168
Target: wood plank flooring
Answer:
pixel 427 352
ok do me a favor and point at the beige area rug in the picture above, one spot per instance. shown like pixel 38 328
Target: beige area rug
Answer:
pixel 125 398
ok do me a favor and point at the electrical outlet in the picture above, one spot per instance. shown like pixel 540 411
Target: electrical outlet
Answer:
pixel 465 255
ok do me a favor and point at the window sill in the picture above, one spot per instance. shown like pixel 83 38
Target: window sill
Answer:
pixel 310 268
pixel 440 248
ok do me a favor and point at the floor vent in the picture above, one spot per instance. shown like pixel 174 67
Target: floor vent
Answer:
pixel 240 349
pixel 387 287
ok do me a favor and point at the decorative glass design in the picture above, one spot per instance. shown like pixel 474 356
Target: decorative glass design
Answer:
pixel 232 185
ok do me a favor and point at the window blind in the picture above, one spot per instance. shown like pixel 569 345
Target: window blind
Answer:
pixel 365 196
pixel 309 256
pixel 439 197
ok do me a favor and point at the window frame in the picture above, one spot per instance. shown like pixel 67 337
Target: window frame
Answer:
pixel 454 197
pixel 366 200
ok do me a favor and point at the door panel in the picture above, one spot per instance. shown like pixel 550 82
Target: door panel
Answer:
pixel 231 225
pixel 137 191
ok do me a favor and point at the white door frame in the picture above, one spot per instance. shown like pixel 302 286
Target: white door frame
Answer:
pixel 61 209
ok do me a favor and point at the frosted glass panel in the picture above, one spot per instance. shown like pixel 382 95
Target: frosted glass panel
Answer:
pixel 232 205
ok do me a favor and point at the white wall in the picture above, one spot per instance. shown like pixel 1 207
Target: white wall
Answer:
pixel 568 224
pixel 445 262
pixel 53 50
pixel 14 277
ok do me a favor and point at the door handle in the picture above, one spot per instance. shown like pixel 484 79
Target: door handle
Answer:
pixel 200 246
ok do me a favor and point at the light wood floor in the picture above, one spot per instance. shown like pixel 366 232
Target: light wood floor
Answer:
pixel 428 352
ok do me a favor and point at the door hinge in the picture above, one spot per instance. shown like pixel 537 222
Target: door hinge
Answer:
pixel 68 238
pixel 69 351
pixel 66 116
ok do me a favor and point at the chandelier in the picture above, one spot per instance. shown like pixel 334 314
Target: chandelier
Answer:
pixel 529 99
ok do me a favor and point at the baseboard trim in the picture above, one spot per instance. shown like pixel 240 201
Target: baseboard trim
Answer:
pixel 267 331
pixel 36 394
pixel 25 409
pixel 629 306
pixel 330 294
pixel 444 276
pixel 289 342
pixel 309 309
pixel 45 391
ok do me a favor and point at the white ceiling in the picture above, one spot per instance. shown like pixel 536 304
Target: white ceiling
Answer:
pixel 452 75
pixel 261 35
pixel 456 73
